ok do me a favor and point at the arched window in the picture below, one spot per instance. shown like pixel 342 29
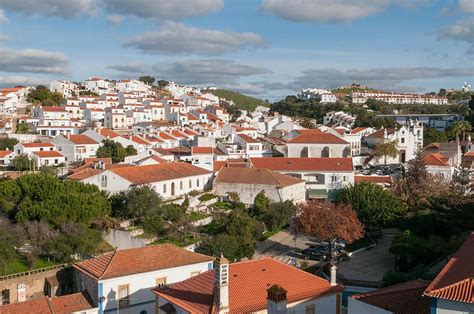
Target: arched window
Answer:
pixel 143 312
pixel 325 152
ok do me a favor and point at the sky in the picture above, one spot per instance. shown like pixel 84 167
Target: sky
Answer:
pixel 266 48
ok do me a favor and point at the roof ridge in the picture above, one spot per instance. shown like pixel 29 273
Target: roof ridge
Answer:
pixel 50 305
pixel 390 289
pixel 109 263
pixel 273 176
pixel 468 279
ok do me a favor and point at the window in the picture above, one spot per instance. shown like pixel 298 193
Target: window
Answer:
pixel 123 296
pixel 403 140
pixel 181 185
pixel 5 296
pixel 310 309
pixel 190 184
pixel 161 282
pixel 103 182
pixel 143 312
pixel 197 183
pixel 333 178
pixel 164 188
pixel 195 273
pixel 56 161
pixel 46 162
pixel 344 178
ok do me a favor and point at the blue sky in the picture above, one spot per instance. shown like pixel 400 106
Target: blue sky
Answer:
pixel 269 48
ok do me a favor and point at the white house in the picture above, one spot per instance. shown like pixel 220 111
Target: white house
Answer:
pixel 324 95
pixel 314 143
pixel 48 158
pixel 121 281
pixel 439 165
pixel 6 157
pixel 65 88
pixel 97 85
pixel 76 147
pixel 30 148
pixel 255 286
pixel 323 176
pixel 169 180
pixel 248 182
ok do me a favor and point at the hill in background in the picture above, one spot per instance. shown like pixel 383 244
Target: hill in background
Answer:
pixel 241 101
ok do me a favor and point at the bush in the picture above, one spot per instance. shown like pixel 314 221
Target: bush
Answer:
pixel 207 197
pixel 393 277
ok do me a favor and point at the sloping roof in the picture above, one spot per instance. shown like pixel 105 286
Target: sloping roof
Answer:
pixel 255 176
pixel 303 164
pixel 81 139
pixel 5 153
pixel 316 137
pixel 380 133
pixel 161 172
pixel 65 304
pixel 402 298
pixel 139 260
pixel 48 154
pixel 455 281
pixel 358 130
pixel 247 139
pixel 248 284
pixel 436 159
pixel 219 164
pixel 201 150
pixel 53 109
pixel 37 144
pixel 108 133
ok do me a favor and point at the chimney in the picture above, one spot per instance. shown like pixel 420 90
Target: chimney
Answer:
pixel 333 275
pixel 276 300
pixel 221 285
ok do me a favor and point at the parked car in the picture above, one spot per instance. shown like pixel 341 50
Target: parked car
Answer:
pixel 316 253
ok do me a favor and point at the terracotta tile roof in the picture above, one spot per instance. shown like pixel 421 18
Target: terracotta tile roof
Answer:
pixel 255 176
pixel 380 133
pixel 402 298
pixel 315 137
pixel 247 138
pixel 108 133
pixel 84 174
pixel 65 304
pixel 29 145
pixel 436 159
pixel 303 164
pixel 105 160
pixel 455 281
pixel 358 130
pixel 81 140
pixel 53 109
pixel 374 179
pixel 469 154
pixel 161 172
pixel 248 284
pixel 75 302
pixel 139 260
pixel 433 145
pixel 5 153
pixel 218 165
pixel 138 140
pixel 48 154
pixel 201 150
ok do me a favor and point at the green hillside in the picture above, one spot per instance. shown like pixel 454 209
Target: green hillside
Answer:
pixel 241 101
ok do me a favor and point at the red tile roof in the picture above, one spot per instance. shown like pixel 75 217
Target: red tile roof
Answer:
pixel 358 130
pixel 5 153
pixel 380 133
pixel 303 164
pixel 255 176
pixel 247 138
pixel 138 140
pixel 455 281
pixel 248 284
pixel 108 133
pixel 218 165
pixel 65 304
pixel 38 144
pixel 402 298
pixel 161 172
pixel 201 150
pixel 139 260
pixel 54 109
pixel 436 159
pixel 48 154
pixel 316 137
pixel 374 179
pixel 81 140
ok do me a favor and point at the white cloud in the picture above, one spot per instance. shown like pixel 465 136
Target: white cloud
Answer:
pixel 387 78
pixel 62 8
pixel 466 6
pixel 32 61
pixel 462 31
pixel 164 9
pixel 115 19
pixel 332 11
pixel 216 72
pixel 176 38
pixel 3 17
pixel 10 81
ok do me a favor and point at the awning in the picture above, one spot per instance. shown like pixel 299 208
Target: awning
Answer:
pixel 317 193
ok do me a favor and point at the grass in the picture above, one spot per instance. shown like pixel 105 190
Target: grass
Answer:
pixel 358 244
pixel 241 101
pixel 222 206
pixel 19 264
pixel 195 216
pixel 214 228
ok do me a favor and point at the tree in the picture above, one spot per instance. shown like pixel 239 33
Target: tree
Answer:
pixel 442 92
pixel 149 80
pixel 41 94
pixel 431 135
pixel 306 123
pixel 7 143
pixel 163 83
pixel 260 205
pixel 278 214
pixel 22 128
pixel 329 222
pixel 22 163
pixel 114 150
pixel 375 206
pixel 137 203
pixel 386 149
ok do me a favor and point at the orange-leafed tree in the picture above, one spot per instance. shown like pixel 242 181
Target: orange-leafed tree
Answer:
pixel 329 222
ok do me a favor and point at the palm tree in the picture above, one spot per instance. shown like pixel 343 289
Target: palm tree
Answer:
pixel 461 127
pixel 386 149
pixel 306 123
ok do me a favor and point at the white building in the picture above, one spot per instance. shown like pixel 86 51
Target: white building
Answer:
pixel 315 143
pixel 361 97
pixel 168 180
pixel 133 86
pixel 323 176
pixel 315 93
pixel 339 118
pixel 97 85
pixel 65 88
pixel 48 158
pixel 121 281
pixel 76 147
